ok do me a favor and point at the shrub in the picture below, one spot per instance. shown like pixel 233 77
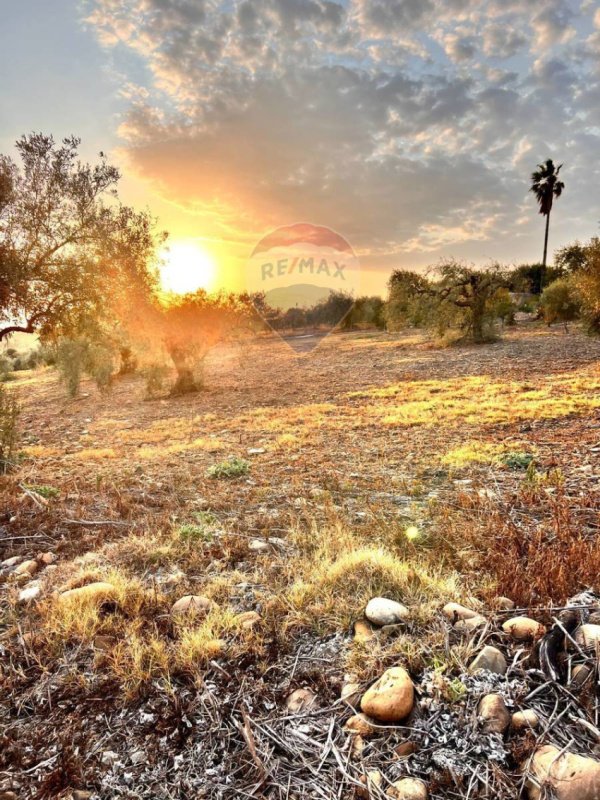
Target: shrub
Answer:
pixel 232 468
pixel 71 355
pixel 155 376
pixel 560 303
pixel 587 284
pixel 9 415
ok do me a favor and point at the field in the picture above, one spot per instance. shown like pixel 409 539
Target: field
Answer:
pixel 297 488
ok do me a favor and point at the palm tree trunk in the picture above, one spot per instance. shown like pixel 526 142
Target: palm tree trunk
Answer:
pixel 545 245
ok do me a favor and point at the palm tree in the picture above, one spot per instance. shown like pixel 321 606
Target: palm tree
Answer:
pixel 546 186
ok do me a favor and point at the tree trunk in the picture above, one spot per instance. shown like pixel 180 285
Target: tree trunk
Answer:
pixel 185 382
pixel 545 250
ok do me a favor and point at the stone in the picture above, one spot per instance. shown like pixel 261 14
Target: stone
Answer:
pixel 405 749
pixel 491 659
pixel 109 757
pixel 301 700
pixel 11 562
pixel 193 605
pixel 97 592
pixel 382 611
pixel 470 624
pixel 566 777
pixel 524 720
pixel 30 593
pixel 138 757
pixel 361 725
pixel 104 643
pixel 371 784
pixel 504 604
pixel 408 789
pixel 80 794
pixel 47 558
pixel 523 628
pixel 454 612
pixel 363 631
pixel 29 567
pixel 259 546
pixel 248 619
pixel 580 675
pixel 493 714
pixel 594 618
pixel 7 795
pixel 350 694
pixel 588 636
pixel 391 698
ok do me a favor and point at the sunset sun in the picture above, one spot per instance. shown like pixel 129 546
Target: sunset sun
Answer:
pixel 187 266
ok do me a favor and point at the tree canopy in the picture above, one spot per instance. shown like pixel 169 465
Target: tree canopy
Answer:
pixel 70 253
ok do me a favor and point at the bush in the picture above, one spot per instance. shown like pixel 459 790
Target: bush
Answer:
pixel 559 302
pixel 232 468
pixel 71 355
pixel 74 357
pixel 9 415
pixel 155 375
pixel 587 284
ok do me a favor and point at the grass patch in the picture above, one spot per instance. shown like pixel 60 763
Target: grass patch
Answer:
pixel 231 468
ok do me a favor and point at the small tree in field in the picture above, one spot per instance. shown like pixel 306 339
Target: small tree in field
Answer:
pixel 460 297
pixel 69 251
pixel 190 325
pixel 587 283
pixel 560 303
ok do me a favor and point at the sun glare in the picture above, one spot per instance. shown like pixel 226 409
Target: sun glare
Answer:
pixel 186 268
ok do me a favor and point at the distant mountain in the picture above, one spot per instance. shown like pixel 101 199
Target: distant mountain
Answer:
pixel 300 295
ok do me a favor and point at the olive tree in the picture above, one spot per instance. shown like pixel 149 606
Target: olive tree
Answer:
pixel 71 255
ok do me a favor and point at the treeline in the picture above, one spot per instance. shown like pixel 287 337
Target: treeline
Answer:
pixel 458 302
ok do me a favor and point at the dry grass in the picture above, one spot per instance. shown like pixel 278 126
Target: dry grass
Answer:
pixel 378 465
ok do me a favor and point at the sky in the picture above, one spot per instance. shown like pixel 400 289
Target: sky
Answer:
pixel 410 127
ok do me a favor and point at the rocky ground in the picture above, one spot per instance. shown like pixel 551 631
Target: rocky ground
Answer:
pixel 367 575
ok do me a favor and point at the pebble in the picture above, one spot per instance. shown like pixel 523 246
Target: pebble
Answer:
pixel 454 612
pixel 350 694
pixel 523 628
pixel 194 604
pixel 30 593
pixel 505 603
pixel 408 789
pixel 493 714
pixel 566 775
pixel 363 631
pixel 470 624
pixel 490 659
pixel 109 757
pixel 29 567
pixel 382 611
pixel 11 562
pixel 588 635
pixel 248 619
pixel 524 720
pixel 47 558
pixel 361 724
pixel 301 700
pixel 391 698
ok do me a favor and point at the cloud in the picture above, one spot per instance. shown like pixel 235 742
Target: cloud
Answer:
pixel 410 126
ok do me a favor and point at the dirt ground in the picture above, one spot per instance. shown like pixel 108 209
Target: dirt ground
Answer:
pixel 373 433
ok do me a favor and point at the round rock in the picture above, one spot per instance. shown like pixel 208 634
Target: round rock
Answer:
pixel 524 720
pixel 391 698
pixel 523 628
pixel 408 789
pixel 493 714
pixel 383 611
pixel 564 776
pixel 491 659
pixel 192 604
